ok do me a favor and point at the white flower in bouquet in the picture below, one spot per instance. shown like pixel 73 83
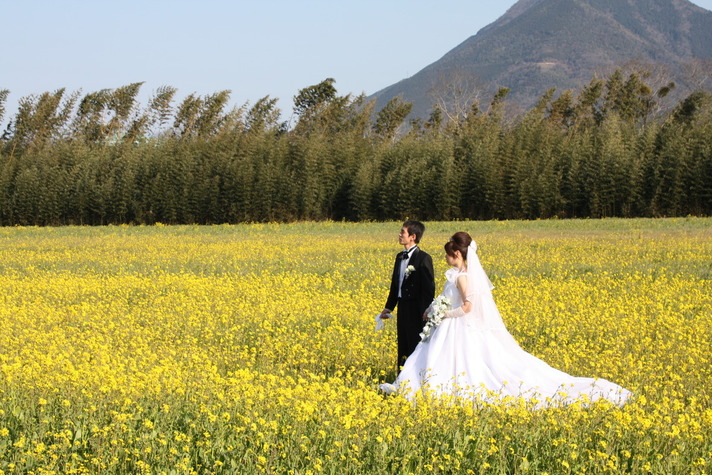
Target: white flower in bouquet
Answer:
pixel 408 270
pixel 435 314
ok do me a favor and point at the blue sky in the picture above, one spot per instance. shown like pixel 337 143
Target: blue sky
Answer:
pixel 253 48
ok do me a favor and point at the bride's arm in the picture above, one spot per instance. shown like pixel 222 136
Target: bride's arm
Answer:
pixel 466 305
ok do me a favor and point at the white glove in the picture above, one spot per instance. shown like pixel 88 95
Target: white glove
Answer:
pixel 454 313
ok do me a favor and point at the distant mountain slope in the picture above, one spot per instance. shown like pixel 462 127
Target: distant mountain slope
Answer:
pixel 539 44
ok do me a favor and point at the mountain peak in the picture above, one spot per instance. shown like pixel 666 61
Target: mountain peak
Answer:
pixel 514 11
pixel 540 44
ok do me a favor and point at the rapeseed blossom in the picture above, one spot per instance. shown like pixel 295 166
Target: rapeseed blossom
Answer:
pixel 251 349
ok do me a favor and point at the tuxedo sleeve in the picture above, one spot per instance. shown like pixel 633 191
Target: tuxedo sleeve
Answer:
pixel 392 300
pixel 427 283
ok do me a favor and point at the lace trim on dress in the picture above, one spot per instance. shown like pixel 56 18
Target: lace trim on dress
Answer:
pixel 453 274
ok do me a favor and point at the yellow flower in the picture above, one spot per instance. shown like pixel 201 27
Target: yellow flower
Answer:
pixel 255 342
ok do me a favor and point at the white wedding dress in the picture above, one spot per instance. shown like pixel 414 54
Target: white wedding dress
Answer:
pixel 475 357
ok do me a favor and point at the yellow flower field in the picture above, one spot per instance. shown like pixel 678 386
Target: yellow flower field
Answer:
pixel 252 349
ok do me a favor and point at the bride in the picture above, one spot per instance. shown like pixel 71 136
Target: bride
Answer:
pixel 471 354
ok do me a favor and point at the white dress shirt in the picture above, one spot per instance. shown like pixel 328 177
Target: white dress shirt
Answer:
pixel 403 266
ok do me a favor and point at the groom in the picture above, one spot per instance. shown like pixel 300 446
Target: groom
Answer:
pixel 412 289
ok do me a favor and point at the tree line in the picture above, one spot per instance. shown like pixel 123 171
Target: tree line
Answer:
pixel 608 150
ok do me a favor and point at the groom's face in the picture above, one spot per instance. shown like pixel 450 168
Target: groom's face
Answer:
pixel 404 238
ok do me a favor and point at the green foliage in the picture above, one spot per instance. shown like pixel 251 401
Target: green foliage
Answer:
pixel 312 97
pixel 263 115
pixel 39 120
pixel 391 117
pixel 3 97
pixel 606 151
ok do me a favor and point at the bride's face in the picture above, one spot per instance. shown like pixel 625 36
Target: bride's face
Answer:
pixel 453 261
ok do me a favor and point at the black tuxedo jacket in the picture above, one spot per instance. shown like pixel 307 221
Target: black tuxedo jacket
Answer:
pixel 418 288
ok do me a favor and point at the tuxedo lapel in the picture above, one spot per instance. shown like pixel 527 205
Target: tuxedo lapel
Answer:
pixel 414 261
pixel 415 257
pixel 409 284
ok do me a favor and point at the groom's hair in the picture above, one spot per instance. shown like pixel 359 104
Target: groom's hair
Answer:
pixel 415 227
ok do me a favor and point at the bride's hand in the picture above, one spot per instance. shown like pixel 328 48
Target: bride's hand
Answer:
pixel 425 313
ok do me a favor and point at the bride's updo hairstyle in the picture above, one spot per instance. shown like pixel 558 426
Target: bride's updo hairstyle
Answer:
pixel 459 241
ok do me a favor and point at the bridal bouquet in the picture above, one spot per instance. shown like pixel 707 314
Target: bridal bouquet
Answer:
pixel 436 311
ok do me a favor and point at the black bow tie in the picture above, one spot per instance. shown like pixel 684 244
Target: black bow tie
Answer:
pixel 403 255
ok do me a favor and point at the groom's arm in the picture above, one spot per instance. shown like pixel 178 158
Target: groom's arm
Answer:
pixel 427 283
pixel 392 300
